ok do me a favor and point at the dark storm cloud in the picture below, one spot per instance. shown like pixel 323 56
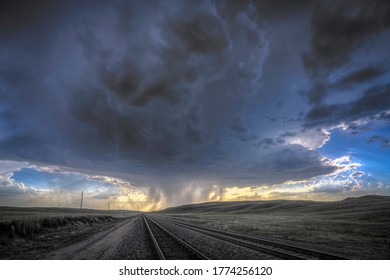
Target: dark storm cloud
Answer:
pixel 123 79
pixel 238 126
pixel 192 49
pixel 135 98
pixel 360 76
pixel 266 143
pixel 284 163
pixel 23 21
pixel 186 54
pixel 268 9
pixel 12 73
pixel 92 107
pixel 317 93
pixel 320 86
pixel 280 103
pixel 339 27
pixel 281 8
pixel 24 146
pixel 150 91
pixel 288 134
pixel 202 34
pixel 163 88
pixel 20 15
pixel 247 138
pixel 373 101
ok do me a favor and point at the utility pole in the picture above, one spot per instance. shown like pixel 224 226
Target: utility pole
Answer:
pixel 81 204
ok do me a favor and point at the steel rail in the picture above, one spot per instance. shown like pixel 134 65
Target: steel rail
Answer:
pixel 254 242
pixel 173 236
pixel 155 243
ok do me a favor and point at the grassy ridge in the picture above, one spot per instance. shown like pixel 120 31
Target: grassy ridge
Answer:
pixel 27 227
pixel 371 206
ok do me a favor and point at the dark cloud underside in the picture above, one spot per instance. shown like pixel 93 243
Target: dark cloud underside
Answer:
pixel 170 92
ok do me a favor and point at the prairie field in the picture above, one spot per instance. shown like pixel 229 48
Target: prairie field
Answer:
pixel 26 232
pixel 355 228
pixel 358 228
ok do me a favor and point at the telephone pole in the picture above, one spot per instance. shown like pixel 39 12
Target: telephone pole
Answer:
pixel 81 204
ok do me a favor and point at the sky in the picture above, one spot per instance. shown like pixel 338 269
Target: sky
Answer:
pixel 152 104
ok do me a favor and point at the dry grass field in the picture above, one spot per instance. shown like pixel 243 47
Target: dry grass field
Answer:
pixel 357 228
pixel 28 233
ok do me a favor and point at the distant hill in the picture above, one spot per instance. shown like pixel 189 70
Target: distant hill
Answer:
pixel 369 204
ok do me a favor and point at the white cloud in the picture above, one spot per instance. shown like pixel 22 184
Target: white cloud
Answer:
pixel 345 163
pixel 7 166
pixel 310 138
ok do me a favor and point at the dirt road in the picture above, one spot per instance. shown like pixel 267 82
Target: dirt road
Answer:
pixel 98 247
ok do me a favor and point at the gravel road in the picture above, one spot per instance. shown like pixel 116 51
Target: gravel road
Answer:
pixel 98 247
pixel 137 244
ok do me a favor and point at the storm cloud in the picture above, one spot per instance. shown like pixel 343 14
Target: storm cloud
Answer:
pixel 373 101
pixel 137 99
pixel 339 28
pixel 163 95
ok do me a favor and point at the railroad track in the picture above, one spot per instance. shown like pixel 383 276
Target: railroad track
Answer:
pixel 169 246
pixel 278 249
